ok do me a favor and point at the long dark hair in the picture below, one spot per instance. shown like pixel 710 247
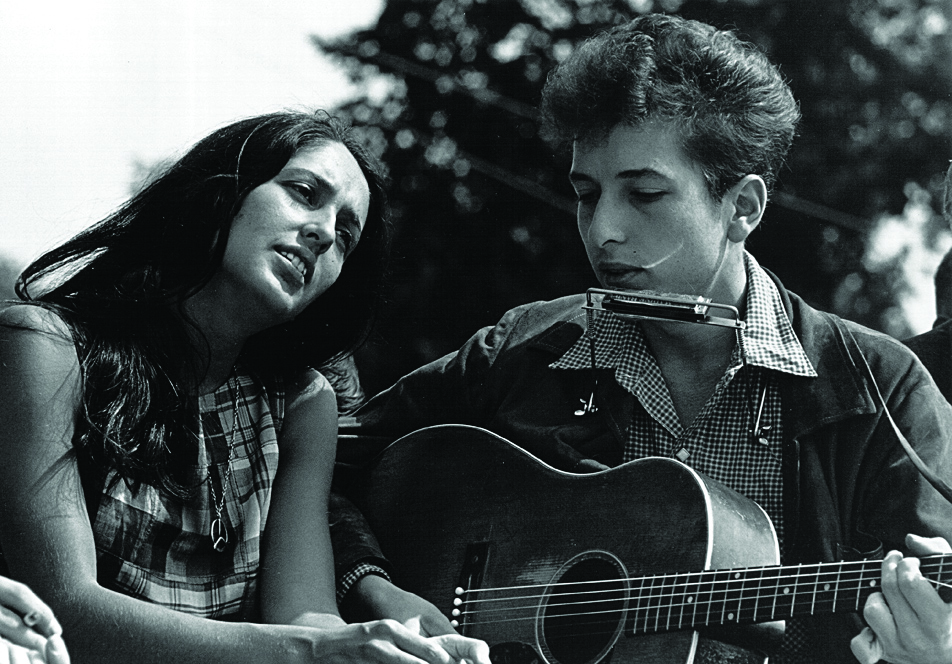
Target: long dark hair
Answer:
pixel 120 286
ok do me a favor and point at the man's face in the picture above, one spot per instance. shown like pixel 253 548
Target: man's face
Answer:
pixel 646 217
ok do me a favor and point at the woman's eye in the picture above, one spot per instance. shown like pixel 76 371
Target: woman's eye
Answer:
pixel 303 191
pixel 346 239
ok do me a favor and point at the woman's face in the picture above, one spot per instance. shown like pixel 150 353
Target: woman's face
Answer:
pixel 290 238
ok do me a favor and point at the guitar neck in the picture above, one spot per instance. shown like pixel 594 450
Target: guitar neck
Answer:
pixel 762 594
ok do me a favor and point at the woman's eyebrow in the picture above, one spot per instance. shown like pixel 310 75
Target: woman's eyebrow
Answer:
pixel 299 171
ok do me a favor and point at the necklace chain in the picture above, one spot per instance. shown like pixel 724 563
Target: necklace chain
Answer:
pixel 218 532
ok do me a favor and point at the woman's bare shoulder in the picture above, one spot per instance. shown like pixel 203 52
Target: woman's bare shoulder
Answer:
pixel 29 317
pixel 32 335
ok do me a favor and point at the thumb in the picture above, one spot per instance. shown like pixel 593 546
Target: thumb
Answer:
pixel 413 624
pixel 866 647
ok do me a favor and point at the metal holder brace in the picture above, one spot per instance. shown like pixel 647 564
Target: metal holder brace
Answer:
pixel 651 305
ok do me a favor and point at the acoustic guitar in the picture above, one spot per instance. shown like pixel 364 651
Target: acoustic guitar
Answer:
pixel 646 562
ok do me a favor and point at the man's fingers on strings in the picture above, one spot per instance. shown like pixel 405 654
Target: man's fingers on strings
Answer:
pixel 880 618
pixel 927 546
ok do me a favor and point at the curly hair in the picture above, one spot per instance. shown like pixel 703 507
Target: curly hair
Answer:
pixel 735 113
pixel 120 286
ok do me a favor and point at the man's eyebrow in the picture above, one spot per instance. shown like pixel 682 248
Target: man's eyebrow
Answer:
pixel 631 174
pixel 635 173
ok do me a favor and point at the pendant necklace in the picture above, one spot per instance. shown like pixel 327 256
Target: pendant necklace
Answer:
pixel 218 532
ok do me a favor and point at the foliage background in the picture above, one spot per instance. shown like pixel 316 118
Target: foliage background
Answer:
pixel 483 211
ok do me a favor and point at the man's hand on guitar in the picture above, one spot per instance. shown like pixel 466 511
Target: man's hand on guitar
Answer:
pixel 375 598
pixel 908 622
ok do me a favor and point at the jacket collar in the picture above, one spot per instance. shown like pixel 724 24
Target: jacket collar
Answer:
pixel 839 391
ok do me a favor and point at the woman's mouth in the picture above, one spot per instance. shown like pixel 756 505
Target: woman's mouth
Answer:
pixel 296 262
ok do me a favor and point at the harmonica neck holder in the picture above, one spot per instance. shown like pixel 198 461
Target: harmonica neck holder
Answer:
pixel 650 305
pixel 671 307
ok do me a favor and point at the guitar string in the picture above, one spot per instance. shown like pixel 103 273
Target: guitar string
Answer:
pixel 727 591
pixel 792 572
pixel 674 620
pixel 676 610
pixel 653 619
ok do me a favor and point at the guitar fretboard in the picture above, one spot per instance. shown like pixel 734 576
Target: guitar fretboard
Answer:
pixel 763 594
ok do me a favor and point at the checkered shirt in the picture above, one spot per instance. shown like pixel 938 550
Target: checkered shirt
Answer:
pixel 159 550
pixel 719 442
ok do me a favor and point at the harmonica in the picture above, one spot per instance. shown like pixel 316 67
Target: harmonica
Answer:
pixel 674 307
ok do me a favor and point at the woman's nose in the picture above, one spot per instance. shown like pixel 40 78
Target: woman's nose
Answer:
pixel 319 232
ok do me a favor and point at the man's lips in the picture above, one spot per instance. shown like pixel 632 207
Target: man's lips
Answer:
pixel 620 275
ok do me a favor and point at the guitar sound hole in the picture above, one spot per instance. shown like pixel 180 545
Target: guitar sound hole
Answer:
pixel 582 616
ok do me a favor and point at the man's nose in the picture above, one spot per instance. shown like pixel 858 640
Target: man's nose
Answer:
pixel 607 223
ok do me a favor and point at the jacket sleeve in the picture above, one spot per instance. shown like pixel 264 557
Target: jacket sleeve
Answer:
pixel 354 544
pixel 448 390
pixel 898 497
pixel 891 497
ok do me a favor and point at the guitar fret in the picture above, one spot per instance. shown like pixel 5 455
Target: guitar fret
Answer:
pixel 816 589
pixel 669 599
pixel 656 608
pixel 693 599
pixel 859 587
pixel 667 602
pixel 793 598
pixel 638 609
pixel 759 591
pixel 773 607
pixel 723 594
pixel 836 586
pixel 740 596
pixel 709 603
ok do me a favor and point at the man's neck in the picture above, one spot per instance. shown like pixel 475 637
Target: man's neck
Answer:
pixel 692 358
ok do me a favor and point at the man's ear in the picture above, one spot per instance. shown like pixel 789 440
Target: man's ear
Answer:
pixel 746 203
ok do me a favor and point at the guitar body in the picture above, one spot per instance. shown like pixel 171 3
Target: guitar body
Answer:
pixel 456 506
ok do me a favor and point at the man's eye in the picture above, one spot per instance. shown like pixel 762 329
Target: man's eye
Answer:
pixel 646 195
pixel 586 197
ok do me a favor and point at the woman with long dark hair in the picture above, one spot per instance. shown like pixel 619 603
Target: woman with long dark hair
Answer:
pixel 168 441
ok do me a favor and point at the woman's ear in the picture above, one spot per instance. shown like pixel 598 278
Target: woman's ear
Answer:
pixel 747 200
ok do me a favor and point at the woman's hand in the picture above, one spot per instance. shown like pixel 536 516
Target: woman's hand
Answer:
pixel 389 642
pixel 29 632
pixel 375 598
pixel 908 621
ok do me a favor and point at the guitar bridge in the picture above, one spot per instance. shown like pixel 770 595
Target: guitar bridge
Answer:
pixel 470 579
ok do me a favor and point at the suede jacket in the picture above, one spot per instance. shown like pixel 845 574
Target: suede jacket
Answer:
pixel 934 348
pixel 849 488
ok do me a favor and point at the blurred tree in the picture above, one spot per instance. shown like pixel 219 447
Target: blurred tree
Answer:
pixel 483 210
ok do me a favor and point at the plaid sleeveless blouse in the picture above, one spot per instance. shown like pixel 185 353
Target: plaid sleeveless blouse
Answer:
pixel 159 550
